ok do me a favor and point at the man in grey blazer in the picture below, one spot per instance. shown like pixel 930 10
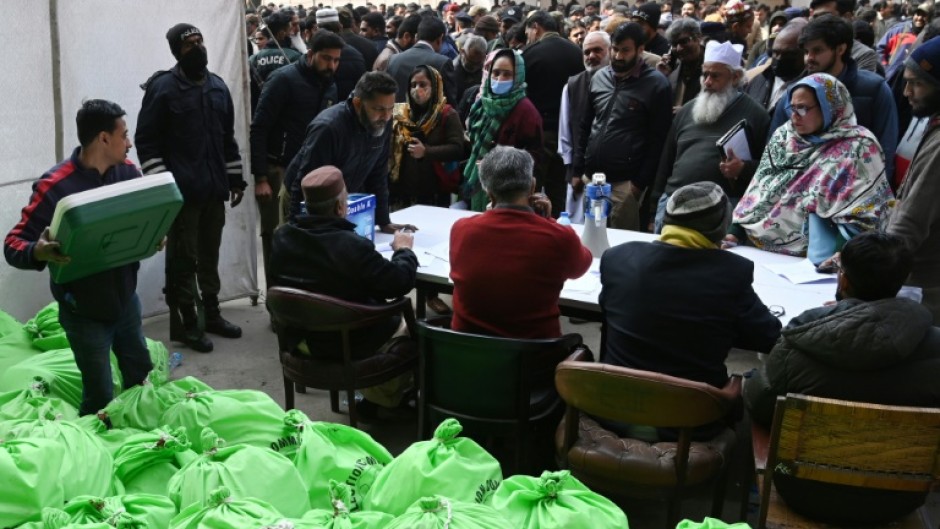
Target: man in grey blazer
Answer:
pixel 425 52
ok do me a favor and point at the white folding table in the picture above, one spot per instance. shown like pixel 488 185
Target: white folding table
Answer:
pixel 579 297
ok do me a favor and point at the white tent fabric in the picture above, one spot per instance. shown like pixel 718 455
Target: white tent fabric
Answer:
pixel 106 50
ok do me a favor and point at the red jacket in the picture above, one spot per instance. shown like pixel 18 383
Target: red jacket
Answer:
pixel 508 266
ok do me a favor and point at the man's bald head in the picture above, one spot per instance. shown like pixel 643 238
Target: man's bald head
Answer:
pixel 789 35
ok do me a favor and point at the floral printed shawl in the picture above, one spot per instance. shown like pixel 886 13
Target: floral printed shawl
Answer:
pixel 839 175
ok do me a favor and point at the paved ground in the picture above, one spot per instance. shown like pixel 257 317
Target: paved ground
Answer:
pixel 252 363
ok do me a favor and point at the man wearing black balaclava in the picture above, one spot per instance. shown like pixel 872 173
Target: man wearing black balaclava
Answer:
pixel 187 126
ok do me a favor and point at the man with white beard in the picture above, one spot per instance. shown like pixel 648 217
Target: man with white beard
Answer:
pixel 691 154
pixel 574 97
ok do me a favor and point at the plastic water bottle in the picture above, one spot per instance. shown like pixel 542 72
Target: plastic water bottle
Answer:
pixel 564 219
pixel 176 360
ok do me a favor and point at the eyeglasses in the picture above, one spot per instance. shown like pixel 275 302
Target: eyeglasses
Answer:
pixel 802 110
pixel 684 41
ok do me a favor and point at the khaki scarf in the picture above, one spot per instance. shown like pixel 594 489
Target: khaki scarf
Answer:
pixel 404 128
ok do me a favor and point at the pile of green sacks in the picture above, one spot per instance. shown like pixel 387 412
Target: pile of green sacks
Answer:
pixel 180 455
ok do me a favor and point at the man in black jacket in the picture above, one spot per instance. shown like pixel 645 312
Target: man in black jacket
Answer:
pixel 321 252
pixel 698 300
pixel 550 60
pixel 99 312
pixel 291 98
pixel 647 15
pixel 363 45
pixel 186 126
pixel 431 33
pixel 353 136
pixel 352 64
pixel 624 125
pixel 277 52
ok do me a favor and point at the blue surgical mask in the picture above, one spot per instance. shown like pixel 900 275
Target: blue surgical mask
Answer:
pixel 500 87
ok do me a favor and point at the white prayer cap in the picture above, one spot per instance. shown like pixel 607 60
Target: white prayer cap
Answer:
pixel 724 53
pixel 327 15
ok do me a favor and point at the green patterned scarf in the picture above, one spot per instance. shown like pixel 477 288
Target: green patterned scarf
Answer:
pixel 486 117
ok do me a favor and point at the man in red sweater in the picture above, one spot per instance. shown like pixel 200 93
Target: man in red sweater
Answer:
pixel 509 264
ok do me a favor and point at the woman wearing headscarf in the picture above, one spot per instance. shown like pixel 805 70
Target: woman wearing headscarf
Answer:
pixel 503 115
pixel 427 147
pixel 427 144
pixel 820 181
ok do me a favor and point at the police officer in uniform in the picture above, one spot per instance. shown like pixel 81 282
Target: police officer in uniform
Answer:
pixel 187 126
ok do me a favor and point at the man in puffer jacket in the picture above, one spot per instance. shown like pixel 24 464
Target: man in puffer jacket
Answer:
pixel 871 347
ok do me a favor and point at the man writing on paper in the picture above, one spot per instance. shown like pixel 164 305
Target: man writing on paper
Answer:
pixel 690 154
pixel 320 252
pixel 99 312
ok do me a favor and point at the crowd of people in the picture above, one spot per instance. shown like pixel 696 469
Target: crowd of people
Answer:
pixel 834 111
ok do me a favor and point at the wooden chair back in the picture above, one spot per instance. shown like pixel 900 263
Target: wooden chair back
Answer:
pixel 852 443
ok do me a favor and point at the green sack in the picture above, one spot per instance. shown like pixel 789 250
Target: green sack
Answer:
pixel 44 329
pixel 29 468
pixel 142 406
pixel 113 438
pixel 711 523
pixel 50 518
pixel 223 511
pixel 59 519
pixel 34 402
pixel 58 369
pixel 456 468
pixel 87 469
pixel 239 416
pixel 147 461
pixel 555 501
pixel 15 343
pixel 436 512
pixel 247 471
pixel 339 515
pixel 160 358
pixel 130 510
pixel 330 451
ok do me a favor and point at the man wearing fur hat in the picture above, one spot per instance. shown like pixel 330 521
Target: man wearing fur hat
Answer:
pixel 916 218
pixel 698 301
pixel 689 154
pixel 186 126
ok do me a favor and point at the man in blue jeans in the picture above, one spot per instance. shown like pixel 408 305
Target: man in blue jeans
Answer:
pixel 99 312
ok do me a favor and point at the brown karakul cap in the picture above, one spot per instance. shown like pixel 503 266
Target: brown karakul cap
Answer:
pixel 322 184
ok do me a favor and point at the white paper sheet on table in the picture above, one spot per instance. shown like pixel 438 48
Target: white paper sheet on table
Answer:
pixel 588 283
pixel 438 251
pixel 801 273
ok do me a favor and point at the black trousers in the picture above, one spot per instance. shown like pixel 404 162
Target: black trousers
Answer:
pixel 193 254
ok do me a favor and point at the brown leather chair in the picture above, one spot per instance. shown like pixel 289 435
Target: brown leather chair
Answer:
pixel 632 468
pixel 298 311
pixel 496 387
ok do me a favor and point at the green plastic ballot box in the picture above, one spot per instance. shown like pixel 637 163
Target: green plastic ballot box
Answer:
pixel 113 225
